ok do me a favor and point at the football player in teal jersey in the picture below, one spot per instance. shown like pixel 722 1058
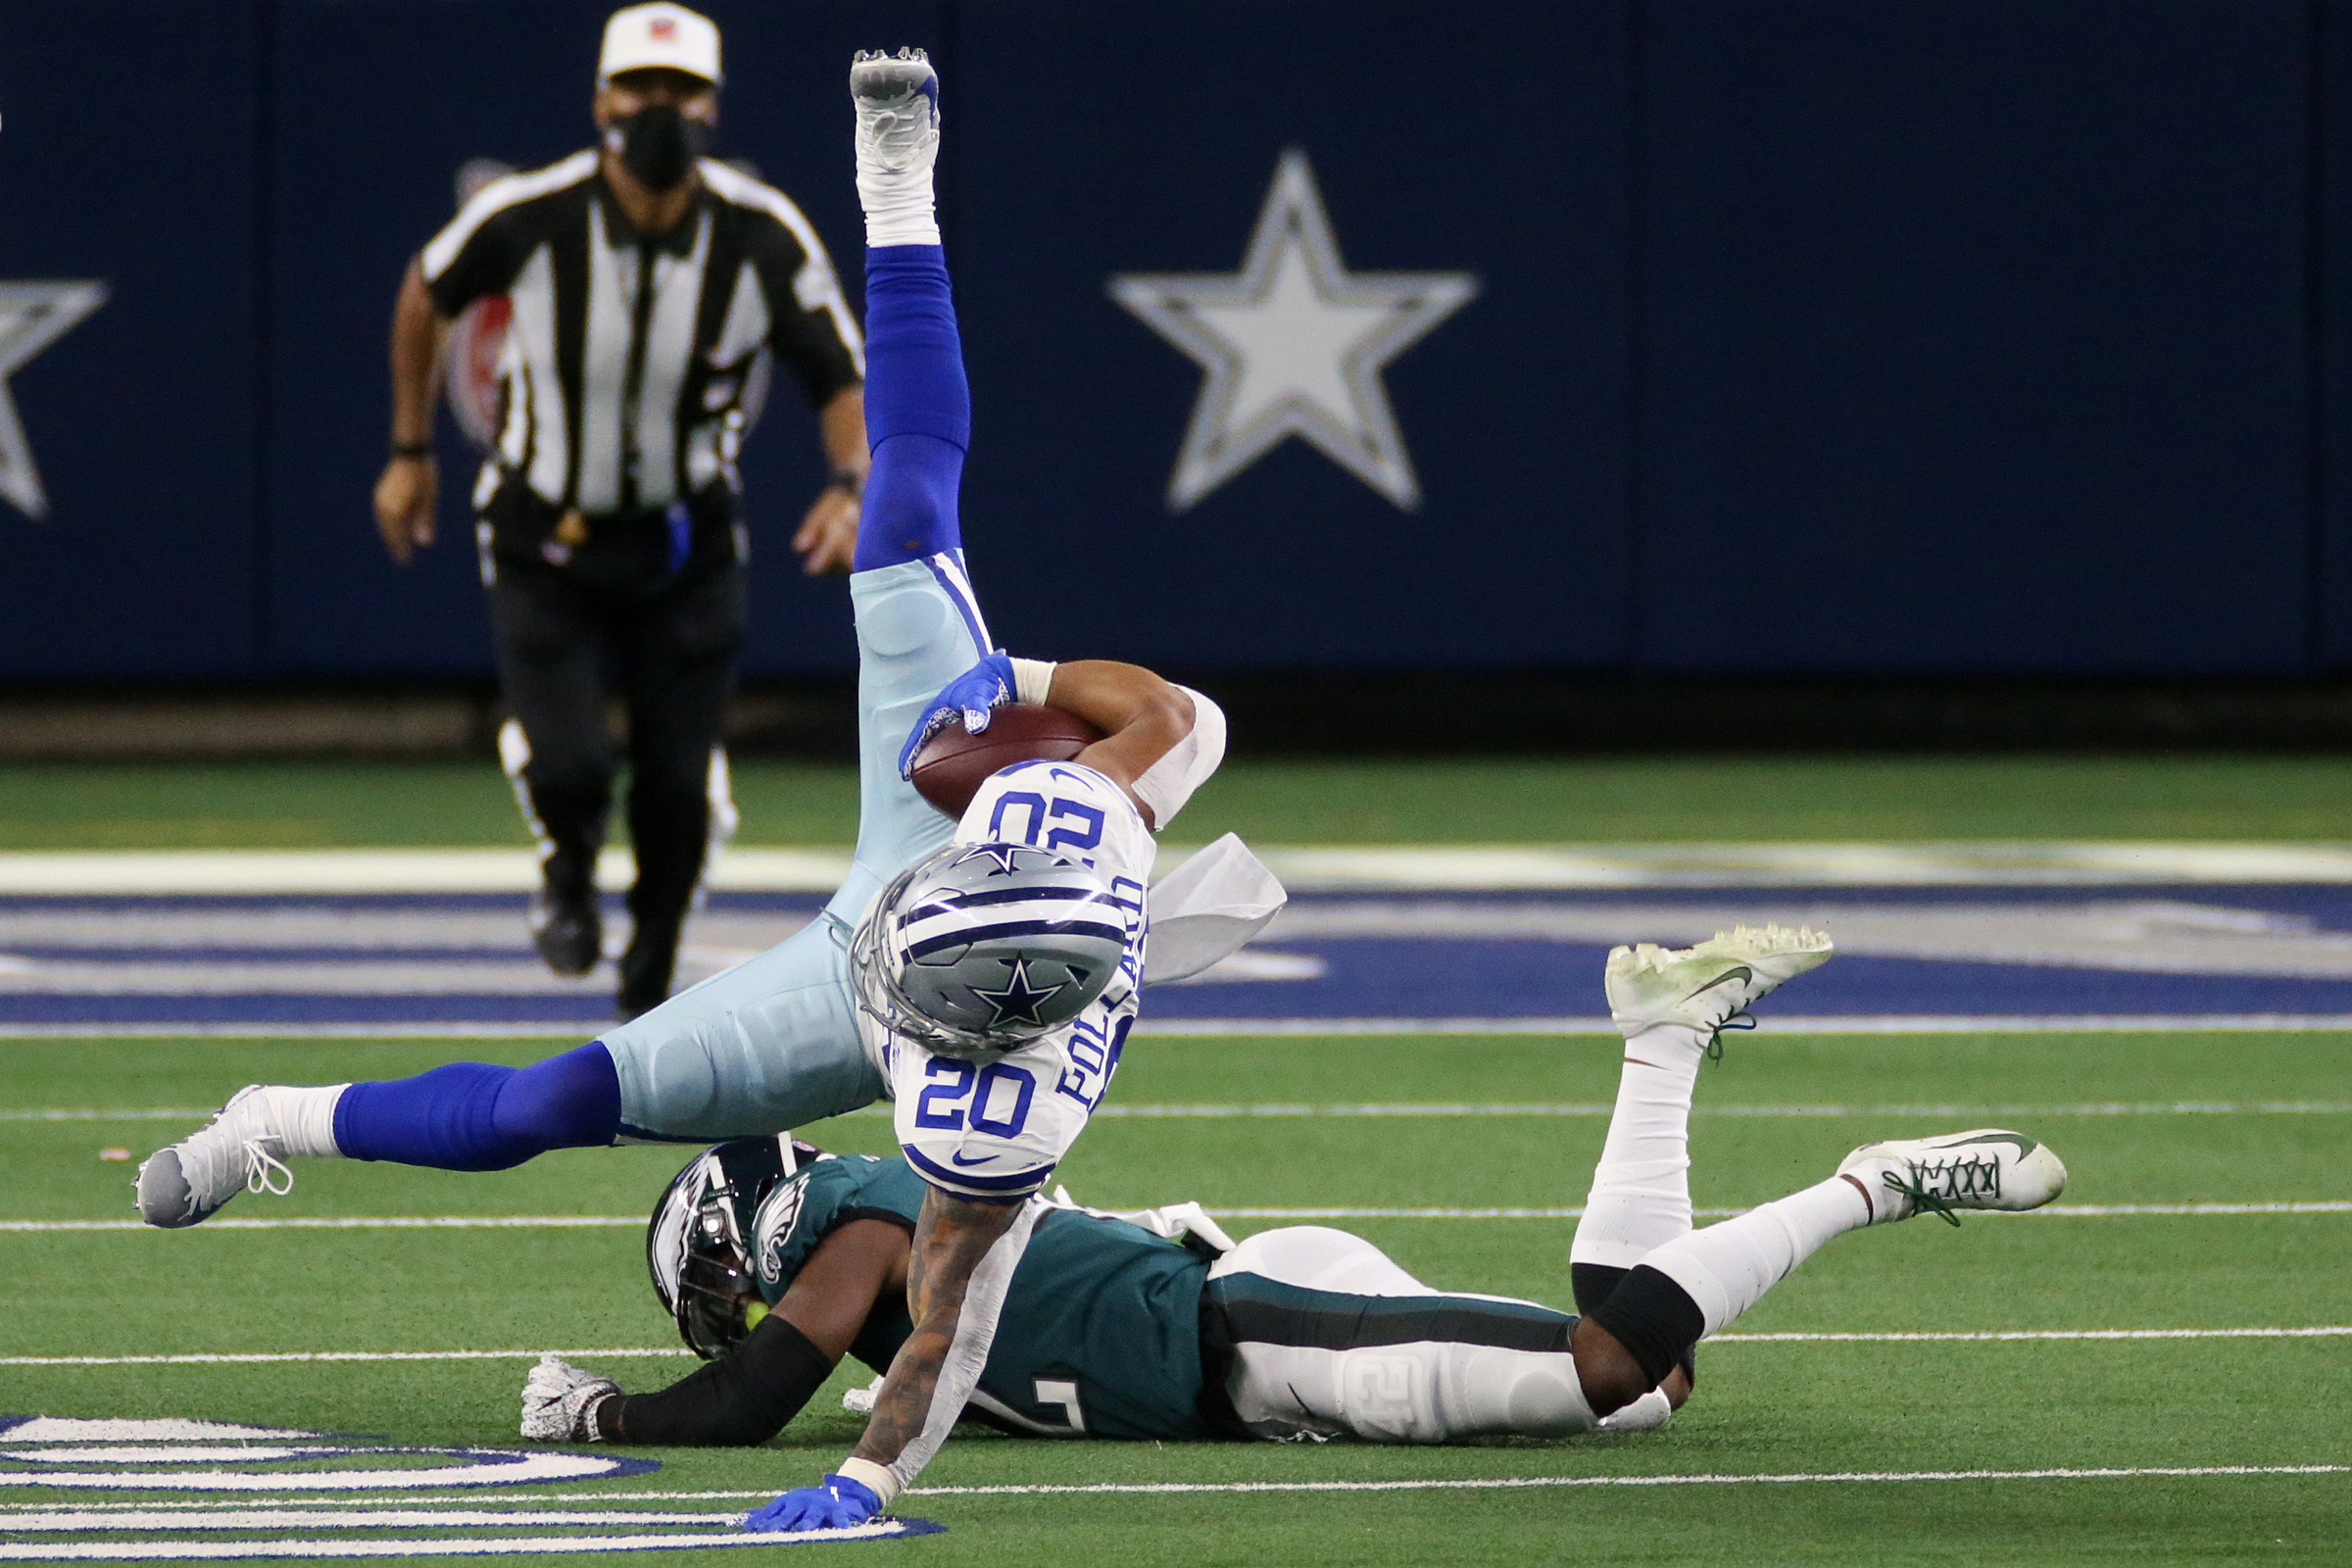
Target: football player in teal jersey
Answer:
pixel 776 1262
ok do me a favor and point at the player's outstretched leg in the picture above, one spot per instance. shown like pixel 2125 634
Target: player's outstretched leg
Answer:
pixel 919 624
pixel 468 1116
pixel 1670 1004
pixel 1696 1284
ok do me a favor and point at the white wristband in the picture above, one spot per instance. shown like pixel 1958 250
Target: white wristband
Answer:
pixel 875 1477
pixel 1032 678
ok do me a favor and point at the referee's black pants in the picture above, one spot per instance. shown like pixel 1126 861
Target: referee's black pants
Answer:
pixel 670 653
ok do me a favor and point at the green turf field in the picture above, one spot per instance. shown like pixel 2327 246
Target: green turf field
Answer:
pixel 1704 798
pixel 1763 1408
pixel 1776 1116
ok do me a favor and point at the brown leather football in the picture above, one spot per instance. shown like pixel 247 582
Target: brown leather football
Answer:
pixel 951 765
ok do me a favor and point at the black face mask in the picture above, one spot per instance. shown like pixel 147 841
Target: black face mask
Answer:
pixel 659 145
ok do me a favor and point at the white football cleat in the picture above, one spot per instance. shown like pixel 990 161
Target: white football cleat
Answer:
pixel 1986 1167
pixel 897 97
pixel 1706 987
pixel 237 1151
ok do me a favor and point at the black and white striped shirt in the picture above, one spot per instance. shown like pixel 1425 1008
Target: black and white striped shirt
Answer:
pixel 628 357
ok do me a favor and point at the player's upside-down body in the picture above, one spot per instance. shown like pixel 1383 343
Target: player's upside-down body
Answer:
pixel 1114 1328
pixel 981 973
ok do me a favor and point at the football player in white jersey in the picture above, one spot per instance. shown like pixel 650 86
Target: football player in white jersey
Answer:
pixel 982 973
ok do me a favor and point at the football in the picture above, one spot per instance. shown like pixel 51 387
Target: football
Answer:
pixel 951 765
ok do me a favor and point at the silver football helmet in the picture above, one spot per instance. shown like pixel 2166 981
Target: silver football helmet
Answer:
pixel 695 1242
pixel 982 948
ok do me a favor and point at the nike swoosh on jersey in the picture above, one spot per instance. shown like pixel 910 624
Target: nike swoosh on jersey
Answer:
pixel 1743 973
pixel 957 1158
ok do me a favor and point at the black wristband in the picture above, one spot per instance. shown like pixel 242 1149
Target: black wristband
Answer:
pixel 850 484
pixel 411 449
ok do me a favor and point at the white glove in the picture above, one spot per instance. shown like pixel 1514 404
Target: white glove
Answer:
pixel 559 1401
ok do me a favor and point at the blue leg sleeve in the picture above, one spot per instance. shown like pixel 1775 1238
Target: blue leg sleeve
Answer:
pixel 469 1115
pixel 919 408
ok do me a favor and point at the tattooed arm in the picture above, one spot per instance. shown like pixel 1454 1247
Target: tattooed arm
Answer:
pixel 952 1238
pixel 964 1256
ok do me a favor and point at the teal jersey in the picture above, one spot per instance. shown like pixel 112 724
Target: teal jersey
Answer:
pixel 1100 1332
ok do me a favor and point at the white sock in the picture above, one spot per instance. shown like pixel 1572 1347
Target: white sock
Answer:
pixel 304 1119
pixel 1727 1268
pixel 1641 1196
pixel 899 206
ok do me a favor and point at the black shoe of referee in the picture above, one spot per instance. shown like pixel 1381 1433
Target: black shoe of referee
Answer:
pixel 566 927
pixel 646 968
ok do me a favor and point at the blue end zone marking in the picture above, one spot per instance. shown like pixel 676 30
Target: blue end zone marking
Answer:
pixel 1393 970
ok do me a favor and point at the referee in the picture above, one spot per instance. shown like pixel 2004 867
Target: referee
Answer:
pixel 651 290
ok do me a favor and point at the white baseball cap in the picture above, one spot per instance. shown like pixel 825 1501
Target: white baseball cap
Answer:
pixel 663 36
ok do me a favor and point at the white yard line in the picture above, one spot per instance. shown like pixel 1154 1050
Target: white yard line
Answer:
pixel 49 1517
pixel 1855 1024
pixel 2331 1332
pixel 1271 1028
pixel 1901 1337
pixel 462 1222
pixel 1478 1484
pixel 1503 1484
pixel 1303 867
pixel 1496 1483
pixel 162 1115
pixel 2053 1211
pixel 355 1222
pixel 297 1031
pixel 428 1546
pixel 263 1357
pixel 166 872
pixel 2183 1107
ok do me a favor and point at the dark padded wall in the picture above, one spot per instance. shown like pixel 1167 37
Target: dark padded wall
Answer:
pixel 1429 157
pixel 1810 335
pixel 1974 335
pixel 140 418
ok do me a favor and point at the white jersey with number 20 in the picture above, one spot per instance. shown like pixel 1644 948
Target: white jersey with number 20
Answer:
pixel 994 1129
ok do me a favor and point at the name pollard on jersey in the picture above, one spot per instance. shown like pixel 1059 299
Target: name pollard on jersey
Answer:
pixel 993 1130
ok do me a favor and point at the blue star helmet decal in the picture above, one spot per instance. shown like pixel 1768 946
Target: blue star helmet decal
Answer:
pixel 1020 1001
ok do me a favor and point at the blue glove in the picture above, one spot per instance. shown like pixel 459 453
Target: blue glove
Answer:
pixel 834 1503
pixel 968 697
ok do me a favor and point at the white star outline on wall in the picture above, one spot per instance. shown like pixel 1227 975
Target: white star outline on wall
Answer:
pixel 32 315
pixel 1294 344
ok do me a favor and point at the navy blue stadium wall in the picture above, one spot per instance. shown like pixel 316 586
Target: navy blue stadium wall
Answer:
pixel 1773 336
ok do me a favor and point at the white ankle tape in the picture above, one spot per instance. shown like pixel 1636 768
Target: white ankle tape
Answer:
pixel 306 1120
pixel 918 226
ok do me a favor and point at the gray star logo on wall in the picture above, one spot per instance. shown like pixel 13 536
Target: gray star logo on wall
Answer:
pixel 1294 344
pixel 32 315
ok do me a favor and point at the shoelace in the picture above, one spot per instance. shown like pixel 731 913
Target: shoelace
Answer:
pixel 264 1171
pixel 1970 1177
pixel 1715 1040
